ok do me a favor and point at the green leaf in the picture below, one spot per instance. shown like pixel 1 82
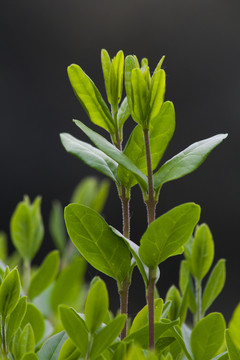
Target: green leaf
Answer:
pixel 202 252
pixel 106 67
pixel 90 98
pixel 161 129
pixel 16 318
pixel 157 91
pixel 130 64
pixel 91 192
pixel 51 348
pixel 96 306
pixel 34 317
pixel 214 285
pixel 186 161
pixel 92 156
pixel 174 296
pixel 222 356
pixel 3 246
pixel 26 340
pixel 116 78
pixel 168 233
pixel 70 279
pixel 140 96
pixel 96 242
pixel 113 153
pixel 9 293
pixel 141 319
pixel 233 351
pixel 185 281
pixel 234 327
pixel 75 328
pixel 141 336
pixel 26 228
pixel 29 356
pixel 122 115
pixel 182 341
pixel 57 227
pixel 69 351
pixel 163 343
pixel 44 275
pixel 105 337
pixel 120 352
pixel 210 332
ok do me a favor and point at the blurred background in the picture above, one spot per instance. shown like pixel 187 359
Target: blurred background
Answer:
pixel 39 39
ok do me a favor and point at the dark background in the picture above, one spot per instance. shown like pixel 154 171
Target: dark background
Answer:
pixel 39 39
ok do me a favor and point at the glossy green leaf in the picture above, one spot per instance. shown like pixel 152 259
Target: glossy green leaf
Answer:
pixel 16 318
pixel 26 340
pixel 29 356
pixel 157 91
pixel 106 67
pixel 92 156
pixel 141 319
pixel 202 252
pixel 233 350
pixel 57 227
pixel 161 129
pixel 130 64
pixel 141 336
pixel 75 328
pixel 69 351
pixel 234 326
pixel 26 228
pixel 96 306
pixel 9 293
pixel 113 153
pixel 51 348
pixel 34 317
pixel 122 115
pixel 90 98
pixel 96 241
pixel 70 279
pixel 214 285
pixel 168 233
pixel 210 332
pixel 186 161
pixel 116 77
pixel 44 275
pixel 105 337
pixel 140 96
pixel 91 192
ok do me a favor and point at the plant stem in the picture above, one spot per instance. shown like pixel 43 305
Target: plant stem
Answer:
pixel 26 275
pixel 198 297
pixel 151 207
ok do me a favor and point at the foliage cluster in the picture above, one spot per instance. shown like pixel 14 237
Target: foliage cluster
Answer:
pixel 50 312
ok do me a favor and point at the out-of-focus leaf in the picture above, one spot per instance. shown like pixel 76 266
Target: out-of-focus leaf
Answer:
pixel 57 227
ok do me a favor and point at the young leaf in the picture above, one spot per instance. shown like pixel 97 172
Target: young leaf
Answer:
pixel 26 340
pixel 234 327
pixel 113 153
pixel 210 332
pixel 122 115
pixel 202 252
pixel 29 356
pixel 16 318
pixel 141 319
pixel 69 351
pixel 174 296
pixel 44 275
pixel 96 306
pixel 186 161
pixel 26 228
pixel 106 67
pixel 104 338
pixel 9 293
pixel 233 350
pixel 185 280
pixel 34 317
pixel 214 285
pixel 140 96
pixel 91 156
pixel 168 233
pixel 75 328
pixel 51 348
pixel 96 242
pixel 70 279
pixel 90 98
pixel 161 129
pixel 158 84
pixel 57 227
pixel 130 64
